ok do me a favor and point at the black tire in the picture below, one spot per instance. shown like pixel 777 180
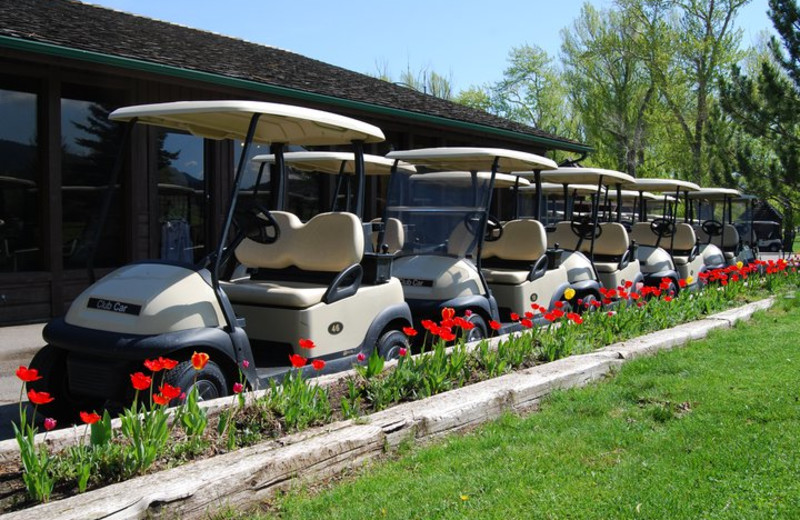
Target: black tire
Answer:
pixel 390 343
pixel 211 382
pixel 587 305
pixel 51 362
pixel 480 330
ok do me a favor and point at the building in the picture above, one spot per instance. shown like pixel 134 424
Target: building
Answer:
pixel 64 65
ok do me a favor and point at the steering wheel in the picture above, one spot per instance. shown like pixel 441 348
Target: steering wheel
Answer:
pixel 584 227
pixel 662 227
pixel 494 229
pixel 257 223
pixel 712 228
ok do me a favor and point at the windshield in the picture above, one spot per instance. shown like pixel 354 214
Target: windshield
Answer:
pixel 442 213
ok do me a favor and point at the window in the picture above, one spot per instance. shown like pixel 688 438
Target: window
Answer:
pixel 20 184
pixel 182 197
pixel 90 145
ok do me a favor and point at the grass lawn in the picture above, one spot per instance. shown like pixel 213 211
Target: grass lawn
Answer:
pixel 708 431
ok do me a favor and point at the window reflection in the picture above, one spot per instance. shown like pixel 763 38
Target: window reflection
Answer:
pixel 20 228
pixel 90 144
pixel 181 197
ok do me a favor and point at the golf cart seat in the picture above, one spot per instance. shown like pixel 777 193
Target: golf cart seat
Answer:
pixel 393 235
pixel 728 241
pixel 644 236
pixel 563 236
pixel 308 264
pixel 684 244
pixel 518 255
pixel 611 248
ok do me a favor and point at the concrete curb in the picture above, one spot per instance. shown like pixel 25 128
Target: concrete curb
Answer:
pixel 250 475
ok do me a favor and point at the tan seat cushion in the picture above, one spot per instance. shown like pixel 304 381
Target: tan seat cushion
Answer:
pixel 606 267
pixel 522 240
pixel 643 235
pixel 393 236
pixel 329 242
pixel 505 276
pixel 684 238
pixel 613 240
pixel 277 294
pixel 563 236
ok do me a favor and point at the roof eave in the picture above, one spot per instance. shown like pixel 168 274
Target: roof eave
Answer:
pixel 50 49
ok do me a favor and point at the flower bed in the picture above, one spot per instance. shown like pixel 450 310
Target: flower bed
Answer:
pixel 149 440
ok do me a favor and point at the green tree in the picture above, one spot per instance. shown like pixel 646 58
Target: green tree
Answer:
pixel 688 46
pixel 765 104
pixel 609 85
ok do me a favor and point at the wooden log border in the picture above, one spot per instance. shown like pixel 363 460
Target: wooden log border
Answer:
pixel 250 475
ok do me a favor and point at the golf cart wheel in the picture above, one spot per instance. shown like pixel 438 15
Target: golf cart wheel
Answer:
pixel 210 381
pixel 588 305
pixel 479 331
pixel 390 343
pixel 51 362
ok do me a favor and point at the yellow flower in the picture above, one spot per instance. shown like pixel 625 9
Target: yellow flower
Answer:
pixel 464 498
pixel 689 280
pixel 739 264
pixel 569 293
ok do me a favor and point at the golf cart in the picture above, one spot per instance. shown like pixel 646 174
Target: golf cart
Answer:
pixel 163 308
pixel 598 252
pixel 667 248
pixel 444 210
pixel 721 233
pixel 767 235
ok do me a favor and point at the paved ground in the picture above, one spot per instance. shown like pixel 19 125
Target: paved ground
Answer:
pixel 17 347
pixel 19 344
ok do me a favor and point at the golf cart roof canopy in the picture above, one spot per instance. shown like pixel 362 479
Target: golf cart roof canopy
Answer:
pixel 473 159
pixel 661 185
pixel 277 123
pixel 586 176
pixel 712 194
pixel 551 188
pixel 633 194
pixel 463 178
pixel 333 162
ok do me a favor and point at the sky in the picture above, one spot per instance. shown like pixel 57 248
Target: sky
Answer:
pixel 467 41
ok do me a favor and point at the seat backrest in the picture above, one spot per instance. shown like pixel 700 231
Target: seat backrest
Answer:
pixel 563 236
pixel 613 240
pixel 329 242
pixel 393 236
pixel 644 236
pixel 730 236
pixel 728 240
pixel 684 238
pixel 523 240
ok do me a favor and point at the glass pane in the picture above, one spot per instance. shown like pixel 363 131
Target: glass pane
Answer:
pixel 20 228
pixel 90 145
pixel 181 197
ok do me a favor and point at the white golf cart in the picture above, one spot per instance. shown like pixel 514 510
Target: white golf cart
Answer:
pixel 309 285
pixel 667 248
pixel 722 233
pixel 597 252
pixel 767 235
pixel 449 233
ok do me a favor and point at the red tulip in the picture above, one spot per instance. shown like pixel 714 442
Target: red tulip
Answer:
pixel 28 374
pixel 237 388
pixel 448 313
pixel 141 381
pixel 306 344
pixel 318 364
pixel 169 391
pixel 199 360
pixel 297 361
pixel 49 423
pixel 161 400
pixel 514 316
pixel 89 418
pixel 410 331
pixel 38 398
pixel 495 325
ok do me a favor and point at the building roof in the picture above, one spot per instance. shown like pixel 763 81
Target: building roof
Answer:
pixel 68 28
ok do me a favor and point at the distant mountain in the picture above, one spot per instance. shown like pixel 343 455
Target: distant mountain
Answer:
pixel 18 160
